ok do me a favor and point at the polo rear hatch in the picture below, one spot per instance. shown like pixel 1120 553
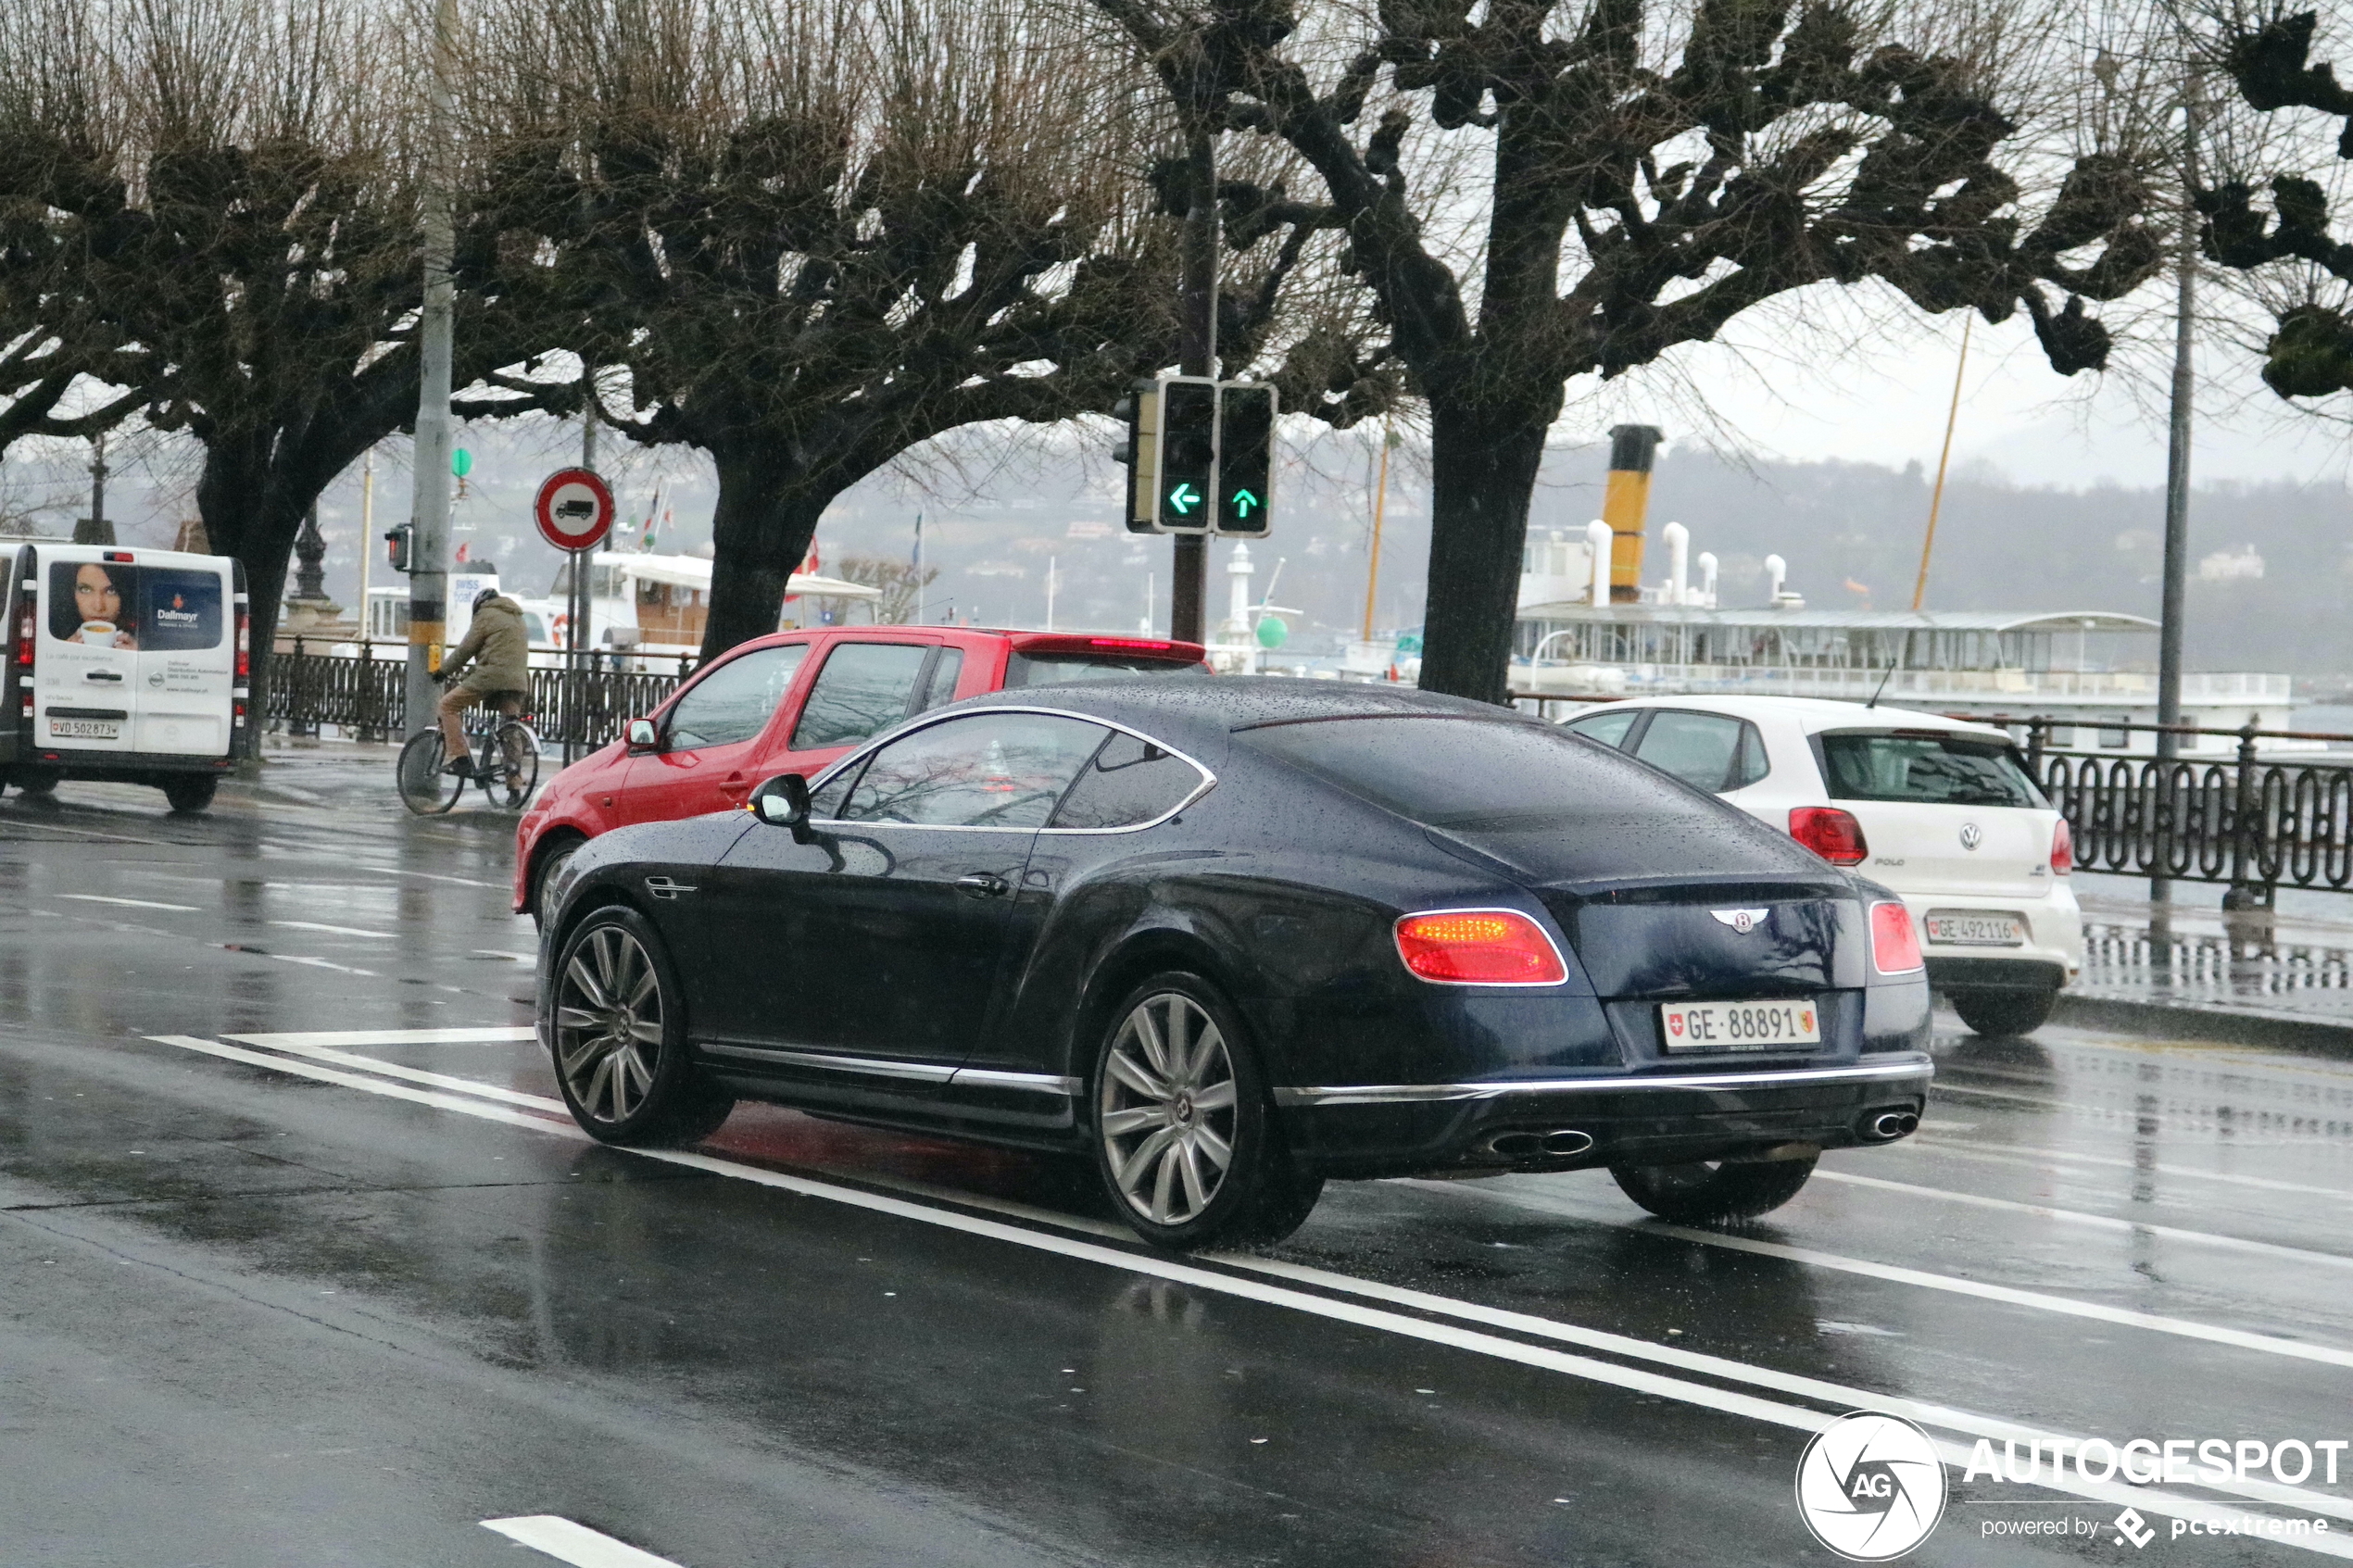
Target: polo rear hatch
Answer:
pixel 1943 810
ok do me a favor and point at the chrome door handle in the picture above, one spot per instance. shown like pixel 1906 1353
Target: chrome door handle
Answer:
pixel 664 887
pixel 984 884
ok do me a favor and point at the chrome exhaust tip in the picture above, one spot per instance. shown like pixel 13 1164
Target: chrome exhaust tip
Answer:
pixel 1894 1123
pixel 1558 1144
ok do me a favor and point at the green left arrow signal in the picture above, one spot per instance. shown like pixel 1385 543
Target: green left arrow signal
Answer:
pixel 1243 501
pixel 1184 498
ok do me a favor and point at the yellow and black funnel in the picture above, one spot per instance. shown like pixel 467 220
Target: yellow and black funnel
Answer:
pixel 1625 503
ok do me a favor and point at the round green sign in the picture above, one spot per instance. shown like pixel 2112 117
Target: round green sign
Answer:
pixel 461 463
pixel 1272 632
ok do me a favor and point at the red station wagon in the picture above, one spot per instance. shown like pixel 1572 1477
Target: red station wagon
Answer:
pixel 790 703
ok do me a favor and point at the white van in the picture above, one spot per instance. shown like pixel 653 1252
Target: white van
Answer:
pixel 130 665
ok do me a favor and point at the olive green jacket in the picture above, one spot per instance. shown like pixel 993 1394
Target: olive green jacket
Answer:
pixel 498 648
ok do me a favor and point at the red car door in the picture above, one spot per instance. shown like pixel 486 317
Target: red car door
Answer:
pixel 706 760
pixel 864 685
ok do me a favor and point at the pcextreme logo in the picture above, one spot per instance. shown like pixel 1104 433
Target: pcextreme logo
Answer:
pixel 1870 1487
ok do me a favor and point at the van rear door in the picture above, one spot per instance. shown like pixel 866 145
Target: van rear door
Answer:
pixel 87 679
pixel 186 657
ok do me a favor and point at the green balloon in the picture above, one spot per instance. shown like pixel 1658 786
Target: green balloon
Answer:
pixel 1272 632
pixel 461 463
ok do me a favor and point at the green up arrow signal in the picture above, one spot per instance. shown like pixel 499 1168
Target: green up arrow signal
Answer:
pixel 1243 501
pixel 1184 498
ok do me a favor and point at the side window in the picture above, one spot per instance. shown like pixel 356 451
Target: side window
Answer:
pixel 863 689
pixel 1608 728
pixel 940 690
pixel 1752 764
pixel 993 770
pixel 824 803
pixel 1699 748
pixel 1130 781
pixel 733 701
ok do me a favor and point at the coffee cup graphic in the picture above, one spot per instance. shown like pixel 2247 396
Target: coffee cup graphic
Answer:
pixel 98 633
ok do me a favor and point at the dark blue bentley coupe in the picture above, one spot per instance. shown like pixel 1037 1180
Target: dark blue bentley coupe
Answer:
pixel 1232 939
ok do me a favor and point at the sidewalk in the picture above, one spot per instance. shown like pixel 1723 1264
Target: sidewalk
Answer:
pixel 2256 978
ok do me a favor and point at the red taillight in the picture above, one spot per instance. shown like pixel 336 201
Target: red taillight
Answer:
pixel 245 645
pixel 1479 947
pixel 24 640
pixel 2062 850
pixel 1152 643
pixel 1833 834
pixel 1895 946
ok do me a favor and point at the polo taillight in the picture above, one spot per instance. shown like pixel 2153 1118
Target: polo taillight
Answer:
pixel 1479 947
pixel 2062 850
pixel 1833 834
pixel 1895 945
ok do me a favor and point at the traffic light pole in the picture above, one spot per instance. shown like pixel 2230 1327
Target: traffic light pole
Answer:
pixel 1189 582
pixel 428 550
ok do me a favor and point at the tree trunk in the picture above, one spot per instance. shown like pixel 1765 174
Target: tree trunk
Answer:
pixel 1483 471
pixel 766 515
pixel 249 515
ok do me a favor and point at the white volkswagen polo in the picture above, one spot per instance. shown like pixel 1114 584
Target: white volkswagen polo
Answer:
pixel 1941 811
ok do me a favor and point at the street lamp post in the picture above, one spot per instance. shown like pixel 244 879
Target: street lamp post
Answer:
pixel 429 553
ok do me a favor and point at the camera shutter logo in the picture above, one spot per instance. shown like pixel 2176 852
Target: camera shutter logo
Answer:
pixel 1870 1487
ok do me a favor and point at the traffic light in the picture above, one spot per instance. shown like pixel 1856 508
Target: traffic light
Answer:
pixel 1140 452
pixel 399 544
pixel 1199 456
pixel 1245 459
pixel 1187 469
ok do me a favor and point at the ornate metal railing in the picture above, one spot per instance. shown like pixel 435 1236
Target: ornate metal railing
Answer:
pixel 2253 822
pixel 364 696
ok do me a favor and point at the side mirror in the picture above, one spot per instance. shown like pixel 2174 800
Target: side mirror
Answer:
pixel 783 802
pixel 643 736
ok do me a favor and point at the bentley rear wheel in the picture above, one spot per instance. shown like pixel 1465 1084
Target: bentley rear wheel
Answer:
pixel 1186 1138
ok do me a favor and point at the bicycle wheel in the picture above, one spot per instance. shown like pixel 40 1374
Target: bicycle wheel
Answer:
pixel 511 763
pixel 425 788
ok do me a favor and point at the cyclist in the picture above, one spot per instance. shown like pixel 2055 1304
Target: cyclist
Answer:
pixel 499 650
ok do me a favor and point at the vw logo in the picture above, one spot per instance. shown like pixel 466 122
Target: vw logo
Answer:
pixel 1971 835
pixel 1742 922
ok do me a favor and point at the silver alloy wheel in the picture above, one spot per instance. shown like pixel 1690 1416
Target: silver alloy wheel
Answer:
pixel 1166 1107
pixel 609 1025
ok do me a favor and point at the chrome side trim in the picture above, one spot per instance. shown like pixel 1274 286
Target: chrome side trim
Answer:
pixel 1405 1094
pixel 1028 1082
pixel 866 1066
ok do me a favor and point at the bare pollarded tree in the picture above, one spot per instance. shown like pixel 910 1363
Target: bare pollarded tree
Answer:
pixel 808 234
pixel 1648 171
pixel 224 210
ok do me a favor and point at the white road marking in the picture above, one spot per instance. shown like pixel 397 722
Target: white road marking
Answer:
pixel 129 903
pixel 306 961
pixel 2100 1221
pixel 1635 1379
pixel 2016 1154
pixel 494 953
pixel 576 1544
pixel 413 1074
pixel 391 1037
pixel 2038 1301
pixel 337 930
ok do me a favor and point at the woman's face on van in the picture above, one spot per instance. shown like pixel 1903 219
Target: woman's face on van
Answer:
pixel 95 595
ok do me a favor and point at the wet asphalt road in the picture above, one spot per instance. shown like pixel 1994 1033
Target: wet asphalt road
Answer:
pixel 269 1298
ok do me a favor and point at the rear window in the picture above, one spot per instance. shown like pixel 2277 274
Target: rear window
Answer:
pixel 1062 668
pixel 1560 805
pixel 1934 769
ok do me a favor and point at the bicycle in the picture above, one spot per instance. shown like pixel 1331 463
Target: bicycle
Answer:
pixel 508 746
